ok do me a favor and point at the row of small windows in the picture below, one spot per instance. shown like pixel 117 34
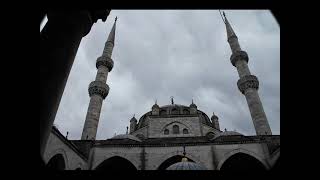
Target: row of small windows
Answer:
pixel 175 111
pixel 175 130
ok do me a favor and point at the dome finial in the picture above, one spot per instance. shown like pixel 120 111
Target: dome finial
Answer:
pixel 172 100
pixel 184 159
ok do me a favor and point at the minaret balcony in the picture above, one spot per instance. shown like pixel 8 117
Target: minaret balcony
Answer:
pixel 246 82
pixel 100 88
pixel 105 61
pixel 239 55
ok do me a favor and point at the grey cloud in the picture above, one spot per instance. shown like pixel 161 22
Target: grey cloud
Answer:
pixel 181 53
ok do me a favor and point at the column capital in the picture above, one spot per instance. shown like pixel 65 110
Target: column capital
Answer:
pixel 246 82
pixel 100 88
pixel 105 61
pixel 239 55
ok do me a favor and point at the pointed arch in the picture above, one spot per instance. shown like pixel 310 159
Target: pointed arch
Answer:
pixel 132 159
pixel 190 157
pixel 115 163
pixel 56 162
pixel 246 153
pixel 63 153
pixel 172 160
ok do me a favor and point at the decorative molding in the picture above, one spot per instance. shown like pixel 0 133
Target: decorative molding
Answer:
pixel 100 88
pixel 239 55
pixel 246 82
pixel 250 140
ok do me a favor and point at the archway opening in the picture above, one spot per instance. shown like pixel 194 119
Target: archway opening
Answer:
pixel 170 161
pixel 56 163
pixel 242 162
pixel 116 163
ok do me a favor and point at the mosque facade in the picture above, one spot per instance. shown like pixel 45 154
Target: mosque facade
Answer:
pixel 169 137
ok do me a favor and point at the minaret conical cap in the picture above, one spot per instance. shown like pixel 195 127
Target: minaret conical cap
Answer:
pixel 230 31
pixel 112 32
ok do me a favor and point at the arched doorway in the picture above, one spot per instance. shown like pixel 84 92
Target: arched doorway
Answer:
pixel 56 163
pixel 242 162
pixel 170 161
pixel 115 163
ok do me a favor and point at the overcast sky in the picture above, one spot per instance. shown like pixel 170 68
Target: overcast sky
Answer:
pixel 180 53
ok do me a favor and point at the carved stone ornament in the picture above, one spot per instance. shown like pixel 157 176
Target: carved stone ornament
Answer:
pixel 105 61
pixel 246 82
pixel 97 87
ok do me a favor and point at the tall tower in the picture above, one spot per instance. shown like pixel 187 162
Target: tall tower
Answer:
pixel 248 84
pixel 98 89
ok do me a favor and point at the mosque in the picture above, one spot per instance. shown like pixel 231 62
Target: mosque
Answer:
pixel 169 137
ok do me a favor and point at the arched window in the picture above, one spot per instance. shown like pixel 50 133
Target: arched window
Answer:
pixel 185 131
pixel 174 111
pixel 166 131
pixel 163 112
pixel 175 129
pixel 186 111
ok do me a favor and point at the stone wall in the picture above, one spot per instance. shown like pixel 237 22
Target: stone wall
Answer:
pixel 56 145
pixel 157 126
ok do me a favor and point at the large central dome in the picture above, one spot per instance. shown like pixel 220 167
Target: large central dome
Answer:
pixel 174 110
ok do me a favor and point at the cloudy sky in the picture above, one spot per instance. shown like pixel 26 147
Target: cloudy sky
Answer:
pixel 179 53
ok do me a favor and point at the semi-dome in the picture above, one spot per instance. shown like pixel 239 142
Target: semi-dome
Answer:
pixel 126 136
pixel 176 110
pixel 228 133
pixel 186 165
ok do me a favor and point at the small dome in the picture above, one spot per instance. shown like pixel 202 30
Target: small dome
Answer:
pixel 126 136
pixel 155 106
pixel 185 165
pixel 228 133
pixel 214 116
pixel 193 105
pixel 133 119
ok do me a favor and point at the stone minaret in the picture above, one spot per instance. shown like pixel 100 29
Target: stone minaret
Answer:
pixel 248 84
pixel 98 89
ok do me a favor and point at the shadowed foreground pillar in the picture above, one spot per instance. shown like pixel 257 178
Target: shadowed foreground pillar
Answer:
pixel 59 42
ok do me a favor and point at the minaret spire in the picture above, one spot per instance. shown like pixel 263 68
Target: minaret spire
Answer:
pixel 98 89
pixel 108 48
pixel 231 35
pixel 248 84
